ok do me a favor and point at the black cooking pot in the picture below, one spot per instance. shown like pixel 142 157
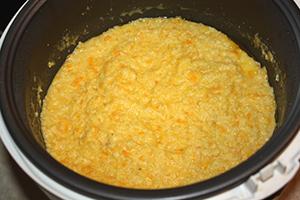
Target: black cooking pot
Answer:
pixel 44 32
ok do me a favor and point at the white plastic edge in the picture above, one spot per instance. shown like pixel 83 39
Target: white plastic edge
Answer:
pixel 269 180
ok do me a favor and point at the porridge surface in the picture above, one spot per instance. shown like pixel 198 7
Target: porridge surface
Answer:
pixel 157 103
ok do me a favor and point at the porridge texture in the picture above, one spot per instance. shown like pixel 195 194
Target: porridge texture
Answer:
pixel 157 103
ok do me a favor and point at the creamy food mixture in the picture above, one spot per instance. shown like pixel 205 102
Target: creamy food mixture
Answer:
pixel 157 103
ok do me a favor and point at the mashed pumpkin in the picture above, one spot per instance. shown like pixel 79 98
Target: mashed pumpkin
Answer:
pixel 157 103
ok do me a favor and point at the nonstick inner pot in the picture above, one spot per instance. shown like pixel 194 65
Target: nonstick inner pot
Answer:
pixel 47 31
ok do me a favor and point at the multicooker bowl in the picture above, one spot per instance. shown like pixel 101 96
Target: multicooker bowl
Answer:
pixel 45 31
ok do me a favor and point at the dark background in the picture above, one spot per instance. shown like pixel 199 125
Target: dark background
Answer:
pixel 7 9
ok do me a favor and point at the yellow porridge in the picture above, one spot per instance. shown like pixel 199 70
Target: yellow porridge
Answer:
pixel 157 103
